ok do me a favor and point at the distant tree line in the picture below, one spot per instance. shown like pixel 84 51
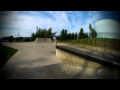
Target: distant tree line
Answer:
pixel 64 35
pixel 71 36
pixel 16 39
pixel 67 36
pixel 9 39
pixel 1 44
pixel 82 34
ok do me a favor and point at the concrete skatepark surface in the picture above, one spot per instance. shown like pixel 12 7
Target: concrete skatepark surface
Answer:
pixel 43 40
pixel 36 60
pixel 103 56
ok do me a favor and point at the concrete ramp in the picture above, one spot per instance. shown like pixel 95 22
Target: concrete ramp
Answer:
pixel 43 40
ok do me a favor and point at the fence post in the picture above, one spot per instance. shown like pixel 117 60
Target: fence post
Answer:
pixel 87 38
pixel 101 38
pixel 105 40
pixel 114 39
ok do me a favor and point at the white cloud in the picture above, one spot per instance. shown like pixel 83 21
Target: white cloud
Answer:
pixel 28 23
pixel 93 17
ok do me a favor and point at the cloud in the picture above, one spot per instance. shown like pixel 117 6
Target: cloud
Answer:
pixel 93 16
pixel 28 23
pixel 25 22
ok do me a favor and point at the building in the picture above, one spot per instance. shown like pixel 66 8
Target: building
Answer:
pixel 107 28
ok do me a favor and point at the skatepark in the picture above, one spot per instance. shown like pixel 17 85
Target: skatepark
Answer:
pixel 38 60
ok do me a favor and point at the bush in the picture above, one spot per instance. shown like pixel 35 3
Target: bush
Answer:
pixel 32 38
pixel 27 39
pixel 1 43
pixel 10 39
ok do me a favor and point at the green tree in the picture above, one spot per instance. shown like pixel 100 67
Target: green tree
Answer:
pixel 49 32
pixel 93 33
pixel 64 34
pixel 81 33
pixel 10 38
pixel 75 35
pixel 85 35
pixel 33 37
pixel 43 33
pixel 38 32
pixel 72 36
pixel 91 30
pixel 1 44
pixel 69 36
pixel 54 33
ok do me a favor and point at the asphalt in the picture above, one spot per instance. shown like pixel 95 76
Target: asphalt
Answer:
pixel 39 61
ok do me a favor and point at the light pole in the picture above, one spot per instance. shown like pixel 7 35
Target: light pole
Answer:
pixel 7 37
pixel 18 36
pixel 77 35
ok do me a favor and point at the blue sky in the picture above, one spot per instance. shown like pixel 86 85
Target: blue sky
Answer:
pixel 25 22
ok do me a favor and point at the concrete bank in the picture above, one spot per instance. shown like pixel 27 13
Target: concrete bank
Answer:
pixel 103 64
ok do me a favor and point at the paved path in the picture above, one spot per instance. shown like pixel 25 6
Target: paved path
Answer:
pixel 38 61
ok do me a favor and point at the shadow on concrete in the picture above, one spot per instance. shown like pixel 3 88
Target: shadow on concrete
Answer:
pixel 103 72
pixel 53 71
pixel 84 68
pixel 53 52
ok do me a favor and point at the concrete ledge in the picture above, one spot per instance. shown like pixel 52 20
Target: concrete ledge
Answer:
pixel 78 54
pixel 76 60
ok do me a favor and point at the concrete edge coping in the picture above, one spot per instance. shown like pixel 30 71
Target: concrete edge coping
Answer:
pixel 91 58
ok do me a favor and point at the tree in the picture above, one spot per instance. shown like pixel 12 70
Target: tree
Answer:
pixel 10 38
pixel 1 44
pixel 72 36
pixel 33 37
pixel 81 33
pixel 38 32
pixel 64 34
pixel 90 27
pixel 69 36
pixel 75 35
pixel 49 32
pixel 85 35
pixel 54 33
pixel 91 30
pixel 93 33
pixel 42 33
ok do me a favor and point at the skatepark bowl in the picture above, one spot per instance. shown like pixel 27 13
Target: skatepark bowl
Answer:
pixel 42 59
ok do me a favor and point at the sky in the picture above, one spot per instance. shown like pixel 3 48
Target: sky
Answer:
pixel 25 22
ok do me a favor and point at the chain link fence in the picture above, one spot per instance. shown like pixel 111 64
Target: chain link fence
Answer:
pixel 105 40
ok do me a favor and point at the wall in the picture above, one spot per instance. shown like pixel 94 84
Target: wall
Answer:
pixel 100 71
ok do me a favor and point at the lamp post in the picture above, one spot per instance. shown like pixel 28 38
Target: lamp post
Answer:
pixel 77 35
pixel 7 37
pixel 18 36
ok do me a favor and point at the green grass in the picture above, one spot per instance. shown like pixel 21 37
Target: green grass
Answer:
pixel 95 42
pixel 5 54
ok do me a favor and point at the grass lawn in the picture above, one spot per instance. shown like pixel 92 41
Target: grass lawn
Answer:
pixel 5 54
